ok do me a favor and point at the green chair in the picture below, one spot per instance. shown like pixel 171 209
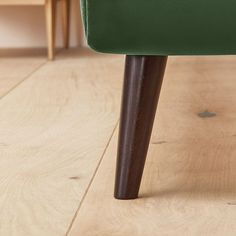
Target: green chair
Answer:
pixel 147 32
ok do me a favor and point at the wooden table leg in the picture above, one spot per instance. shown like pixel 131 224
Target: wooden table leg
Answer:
pixel 50 11
pixel 65 5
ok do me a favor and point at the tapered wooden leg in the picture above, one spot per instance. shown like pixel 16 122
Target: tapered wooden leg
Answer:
pixel 50 11
pixel 65 5
pixel 142 85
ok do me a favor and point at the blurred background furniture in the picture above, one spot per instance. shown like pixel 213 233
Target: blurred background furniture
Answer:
pixel 50 14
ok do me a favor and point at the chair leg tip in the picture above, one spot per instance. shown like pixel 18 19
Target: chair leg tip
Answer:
pixel 125 196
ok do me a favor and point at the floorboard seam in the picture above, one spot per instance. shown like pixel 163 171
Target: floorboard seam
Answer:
pixel 91 181
pixel 23 80
pixel 27 77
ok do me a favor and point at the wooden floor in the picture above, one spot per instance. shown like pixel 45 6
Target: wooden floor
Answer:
pixel 59 124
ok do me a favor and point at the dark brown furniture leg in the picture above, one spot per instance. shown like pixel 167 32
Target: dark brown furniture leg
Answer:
pixel 142 85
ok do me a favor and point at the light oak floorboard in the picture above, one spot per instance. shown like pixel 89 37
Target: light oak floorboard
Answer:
pixel 189 183
pixel 16 67
pixel 54 129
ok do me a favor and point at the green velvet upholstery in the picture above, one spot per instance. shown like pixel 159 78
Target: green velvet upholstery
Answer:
pixel 161 27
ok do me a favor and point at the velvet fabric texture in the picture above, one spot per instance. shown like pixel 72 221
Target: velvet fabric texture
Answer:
pixel 161 27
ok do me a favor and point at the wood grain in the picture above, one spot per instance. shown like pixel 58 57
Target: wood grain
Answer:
pixel 54 129
pixel 189 183
pixel 14 68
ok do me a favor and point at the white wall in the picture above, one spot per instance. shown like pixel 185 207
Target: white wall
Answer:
pixel 24 26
